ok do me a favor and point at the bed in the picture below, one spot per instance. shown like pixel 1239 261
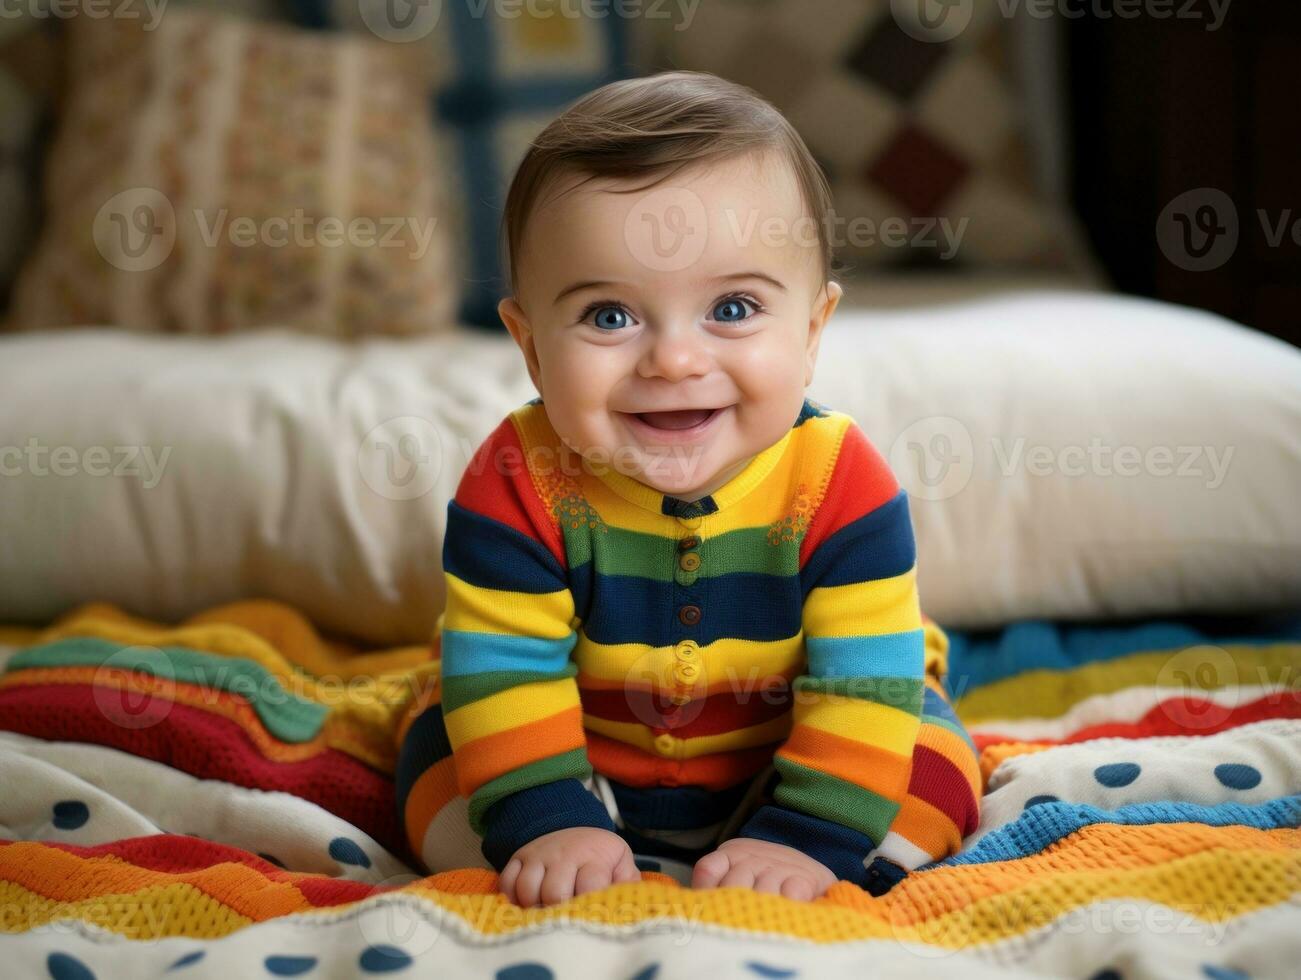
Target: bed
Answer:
pixel 218 599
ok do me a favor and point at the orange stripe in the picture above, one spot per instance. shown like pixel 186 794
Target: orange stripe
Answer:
pixel 714 771
pixel 484 759
pixel 927 827
pixel 881 771
pixel 771 682
pixel 432 791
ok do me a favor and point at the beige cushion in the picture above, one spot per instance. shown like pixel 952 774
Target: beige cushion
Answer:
pixel 214 175
pixel 169 475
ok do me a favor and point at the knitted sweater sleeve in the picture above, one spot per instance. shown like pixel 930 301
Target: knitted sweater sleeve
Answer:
pixel 510 699
pixel 843 771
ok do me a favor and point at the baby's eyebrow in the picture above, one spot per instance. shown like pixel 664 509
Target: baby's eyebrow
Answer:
pixel 586 284
pixel 753 275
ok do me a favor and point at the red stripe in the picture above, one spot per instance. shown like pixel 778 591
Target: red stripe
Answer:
pixel 712 715
pixel 1178 716
pixel 861 482
pixel 940 783
pixel 497 483
pixel 210 747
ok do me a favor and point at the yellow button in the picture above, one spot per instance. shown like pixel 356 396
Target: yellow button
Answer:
pixel 686 672
pixel 688 651
pixel 665 744
pixel 690 561
pixel 679 699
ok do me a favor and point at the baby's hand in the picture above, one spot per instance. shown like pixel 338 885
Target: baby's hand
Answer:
pixel 765 867
pixel 557 866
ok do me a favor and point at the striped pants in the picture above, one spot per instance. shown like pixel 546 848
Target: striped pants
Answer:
pixel 941 808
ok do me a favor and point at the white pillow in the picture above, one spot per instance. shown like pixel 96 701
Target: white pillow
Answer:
pixel 276 464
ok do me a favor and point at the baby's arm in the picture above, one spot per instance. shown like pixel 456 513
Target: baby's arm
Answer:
pixel 845 767
pixel 510 701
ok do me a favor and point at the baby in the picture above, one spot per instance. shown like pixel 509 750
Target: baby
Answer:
pixel 682 618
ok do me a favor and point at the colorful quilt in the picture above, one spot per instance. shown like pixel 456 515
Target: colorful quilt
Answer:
pixel 216 798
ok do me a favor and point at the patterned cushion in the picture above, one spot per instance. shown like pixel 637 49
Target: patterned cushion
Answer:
pixel 214 174
pixel 498 73
pixel 915 121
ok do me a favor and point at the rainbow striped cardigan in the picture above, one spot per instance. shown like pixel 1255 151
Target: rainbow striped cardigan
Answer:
pixel 594 622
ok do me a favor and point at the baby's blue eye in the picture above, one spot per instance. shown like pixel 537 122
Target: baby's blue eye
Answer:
pixel 611 318
pixel 731 310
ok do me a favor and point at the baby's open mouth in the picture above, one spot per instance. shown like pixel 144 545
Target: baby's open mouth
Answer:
pixel 686 418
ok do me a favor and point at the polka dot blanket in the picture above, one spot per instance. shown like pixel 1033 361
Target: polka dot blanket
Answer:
pixel 215 798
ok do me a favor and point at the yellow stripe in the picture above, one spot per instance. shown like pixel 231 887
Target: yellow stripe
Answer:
pixel 671 747
pixel 474 609
pixel 888 605
pixel 746 662
pixel 863 721
pixel 511 708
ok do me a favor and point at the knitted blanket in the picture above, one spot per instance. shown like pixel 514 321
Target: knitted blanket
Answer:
pixel 216 798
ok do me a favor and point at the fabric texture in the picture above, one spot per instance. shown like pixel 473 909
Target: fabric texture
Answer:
pixel 917 113
pixel 260 175
pixel 497 73
pixel 1082 885
pixel 594 622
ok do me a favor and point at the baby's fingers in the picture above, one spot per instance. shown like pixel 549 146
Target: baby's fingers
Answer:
pixel 770 880
pixel 558 885
pixel 592 877
pixel 800 889
pixel 506 880
pixel 626 870
pixel 709 870
pixel 529 883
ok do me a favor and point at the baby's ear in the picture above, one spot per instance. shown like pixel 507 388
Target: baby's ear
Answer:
pixel 512 314
pixel 827 300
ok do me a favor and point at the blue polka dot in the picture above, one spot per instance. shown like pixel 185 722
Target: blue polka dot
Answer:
pixel 525 971
pixel 289 966
pixel 1235 775
pixel 1036 800
pixel 347 851
pixel 383 959
pixel 764 970
pixel 65 967
pixel 70 814
pixel 1117 774
pixel 187 959
pixel 649 973
pixel 1222 972
pixel 1107 974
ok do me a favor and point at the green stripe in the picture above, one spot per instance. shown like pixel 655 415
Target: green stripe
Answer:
pixel 620 551
pixel 832 798
pixel 286 716
pixel 465 688
pixel 904 693
pixel 572 763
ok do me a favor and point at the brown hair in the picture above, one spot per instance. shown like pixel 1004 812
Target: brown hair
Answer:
pixel 653 127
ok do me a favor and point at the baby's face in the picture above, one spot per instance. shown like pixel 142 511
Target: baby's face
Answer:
pixel 672 331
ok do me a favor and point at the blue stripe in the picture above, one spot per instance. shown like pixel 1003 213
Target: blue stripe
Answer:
pixel 740 605
pixel 878 545
pixel 977 659
pixel 1043 825
pixel 888 655
pixel 424 744
pixel 477 653
pixel 485 552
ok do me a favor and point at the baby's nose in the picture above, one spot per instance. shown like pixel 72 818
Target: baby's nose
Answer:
pixel 675 354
